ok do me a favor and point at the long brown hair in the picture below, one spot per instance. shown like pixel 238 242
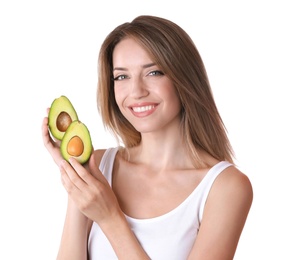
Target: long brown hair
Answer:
pixel 172 49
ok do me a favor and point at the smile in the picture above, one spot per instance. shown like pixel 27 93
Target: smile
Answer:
pixel 143 108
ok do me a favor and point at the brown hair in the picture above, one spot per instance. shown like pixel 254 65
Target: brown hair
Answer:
pixel 172 49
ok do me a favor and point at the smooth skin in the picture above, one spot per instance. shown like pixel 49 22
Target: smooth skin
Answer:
pixel 159 166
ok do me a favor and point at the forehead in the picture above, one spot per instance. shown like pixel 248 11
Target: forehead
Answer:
pixel 128 49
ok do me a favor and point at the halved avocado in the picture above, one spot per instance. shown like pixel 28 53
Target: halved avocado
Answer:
pixel 76 142
pixel 61 115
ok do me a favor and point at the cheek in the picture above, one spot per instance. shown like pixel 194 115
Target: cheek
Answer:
pixel 169 92
pixel 175 103
pixel 116 98
pixel 174 99
pixel 119 98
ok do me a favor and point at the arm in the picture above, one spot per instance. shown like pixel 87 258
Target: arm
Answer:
pixel 90 199
pixel 76 228
pixel 224 217
pixel 75 234
pixel 93 196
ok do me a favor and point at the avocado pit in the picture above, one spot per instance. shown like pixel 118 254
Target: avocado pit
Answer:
pixel 75 146
pixel 63 121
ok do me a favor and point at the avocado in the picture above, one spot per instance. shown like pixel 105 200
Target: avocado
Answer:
pixel 76 142
pixel 61 115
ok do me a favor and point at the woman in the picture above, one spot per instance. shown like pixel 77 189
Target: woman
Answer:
pixel 171 191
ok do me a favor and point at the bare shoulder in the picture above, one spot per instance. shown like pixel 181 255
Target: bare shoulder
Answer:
pixel 230 197
pixel 224 216
pixel 234 182
pixel 231 191
pixel 98 154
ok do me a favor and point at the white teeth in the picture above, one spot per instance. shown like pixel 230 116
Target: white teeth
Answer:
pixel 143 109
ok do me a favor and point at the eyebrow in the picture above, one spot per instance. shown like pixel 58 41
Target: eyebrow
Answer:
pixel 148 65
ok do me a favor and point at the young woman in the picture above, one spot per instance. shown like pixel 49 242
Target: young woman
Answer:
pixel 171 190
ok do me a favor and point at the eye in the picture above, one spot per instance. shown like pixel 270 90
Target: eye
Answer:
pixel 156 73
pixel 120 77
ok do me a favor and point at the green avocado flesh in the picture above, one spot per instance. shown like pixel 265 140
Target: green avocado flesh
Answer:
pixel 61 115
pixel 76 142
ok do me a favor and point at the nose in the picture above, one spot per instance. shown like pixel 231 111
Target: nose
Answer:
pixel 138 88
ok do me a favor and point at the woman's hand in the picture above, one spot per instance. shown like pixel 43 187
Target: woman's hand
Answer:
pixel 89 190
pixel 51 145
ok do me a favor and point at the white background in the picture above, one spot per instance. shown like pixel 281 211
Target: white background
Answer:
pixel 50 48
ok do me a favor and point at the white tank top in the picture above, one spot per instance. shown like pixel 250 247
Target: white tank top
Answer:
pixel 167 237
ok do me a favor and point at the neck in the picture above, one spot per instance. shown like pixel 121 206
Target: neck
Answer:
pixel 162 151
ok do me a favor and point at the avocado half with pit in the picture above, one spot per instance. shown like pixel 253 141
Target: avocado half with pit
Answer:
pixel 76 142
pixel 61 115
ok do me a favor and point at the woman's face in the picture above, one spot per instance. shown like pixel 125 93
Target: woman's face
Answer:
pixel 145 96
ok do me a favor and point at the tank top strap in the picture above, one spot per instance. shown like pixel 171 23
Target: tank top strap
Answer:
pixel 208 181
pixel 107 161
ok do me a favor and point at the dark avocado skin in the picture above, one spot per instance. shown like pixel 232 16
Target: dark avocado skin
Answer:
pixel 80 130
pixel 60 108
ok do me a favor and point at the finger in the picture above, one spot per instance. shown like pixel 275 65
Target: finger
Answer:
pixel 45 129
pixel 48 141
pixel 46 132
pixel 81 171
pixel 71 177
pixel 95 169
pixel 69 186
pixel 50 144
